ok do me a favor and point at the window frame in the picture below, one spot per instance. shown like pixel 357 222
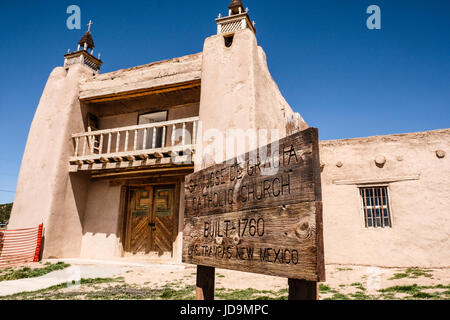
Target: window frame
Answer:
pixel 166 111
pixel 151 112
pixel 375 208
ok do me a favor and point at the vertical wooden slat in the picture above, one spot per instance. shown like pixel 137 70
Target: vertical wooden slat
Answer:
pixel 135 140
pixel 154 138
pixel 100 147
pixel 92 140
pixel 194 132
pixel 77 142
pixel 84 145
pixel 163 142
pixel 183 136
pixel 109 143
pixel 144 142
pixel 172 140
pixel 117 142
pixel 127 133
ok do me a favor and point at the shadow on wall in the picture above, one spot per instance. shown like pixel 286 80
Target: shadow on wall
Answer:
pixel 101 212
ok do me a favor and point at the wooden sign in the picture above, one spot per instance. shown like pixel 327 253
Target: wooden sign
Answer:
pixel 261 213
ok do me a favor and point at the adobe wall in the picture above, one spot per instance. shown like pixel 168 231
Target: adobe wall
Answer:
pixel 101 222
pixel 237 93
pixel 152 75
pixel 45 190
pixel 419 199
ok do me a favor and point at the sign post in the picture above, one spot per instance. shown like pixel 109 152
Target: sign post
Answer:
pixel 260 213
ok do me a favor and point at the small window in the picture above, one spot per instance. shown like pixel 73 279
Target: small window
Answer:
pixel 228 40
pixel 152 117
pixel 375 207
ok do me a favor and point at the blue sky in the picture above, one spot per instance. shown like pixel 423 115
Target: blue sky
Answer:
pixel 343 78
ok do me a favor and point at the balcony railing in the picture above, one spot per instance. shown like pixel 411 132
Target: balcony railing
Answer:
pixel 145 144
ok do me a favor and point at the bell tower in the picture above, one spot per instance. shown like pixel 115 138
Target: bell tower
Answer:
pixel 238 19
pixel 82 55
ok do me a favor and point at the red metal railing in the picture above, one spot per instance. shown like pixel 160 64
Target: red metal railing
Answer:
pixel 20 246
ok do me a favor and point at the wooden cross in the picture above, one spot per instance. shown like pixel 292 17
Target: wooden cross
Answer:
pixel 89 25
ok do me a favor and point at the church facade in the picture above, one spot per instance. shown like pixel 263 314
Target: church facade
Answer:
pixel 107 154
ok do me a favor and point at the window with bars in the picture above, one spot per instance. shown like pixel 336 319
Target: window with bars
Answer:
pixel 375 207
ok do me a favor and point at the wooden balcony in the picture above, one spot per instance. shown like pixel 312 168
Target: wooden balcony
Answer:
pixel 162 143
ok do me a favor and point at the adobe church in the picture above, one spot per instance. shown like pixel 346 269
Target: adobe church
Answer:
pixel 107 154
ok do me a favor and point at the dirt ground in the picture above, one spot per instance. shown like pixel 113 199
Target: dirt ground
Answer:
pixel 342 278
pixel 342 282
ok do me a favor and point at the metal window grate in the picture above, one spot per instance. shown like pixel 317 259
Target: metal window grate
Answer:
pixel 375 206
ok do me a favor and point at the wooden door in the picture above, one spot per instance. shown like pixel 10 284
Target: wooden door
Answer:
pixel 163 218
pixel 139 220
pixel 151 219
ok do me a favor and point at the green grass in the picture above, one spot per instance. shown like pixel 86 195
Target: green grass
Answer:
pixel 412 273
pixel 116 289
pixel 250 294
pixel 403 292
pixel 414 291
pixel 401 289
pixel 324 288
pixel 53 292
pixel 359 286
pixel 361 295
pixel 344 269
pixel 338 296
pixel 26 272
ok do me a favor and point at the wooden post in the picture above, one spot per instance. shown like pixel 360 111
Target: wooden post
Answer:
pixel 302 290
pixel 205 283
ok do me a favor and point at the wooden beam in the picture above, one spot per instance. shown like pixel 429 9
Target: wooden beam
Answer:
pixel 377 181
pixel 143 156
pixel 302 290
pixel 143 180
pixel 205 283
pixel 153 170
pixel 143 92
